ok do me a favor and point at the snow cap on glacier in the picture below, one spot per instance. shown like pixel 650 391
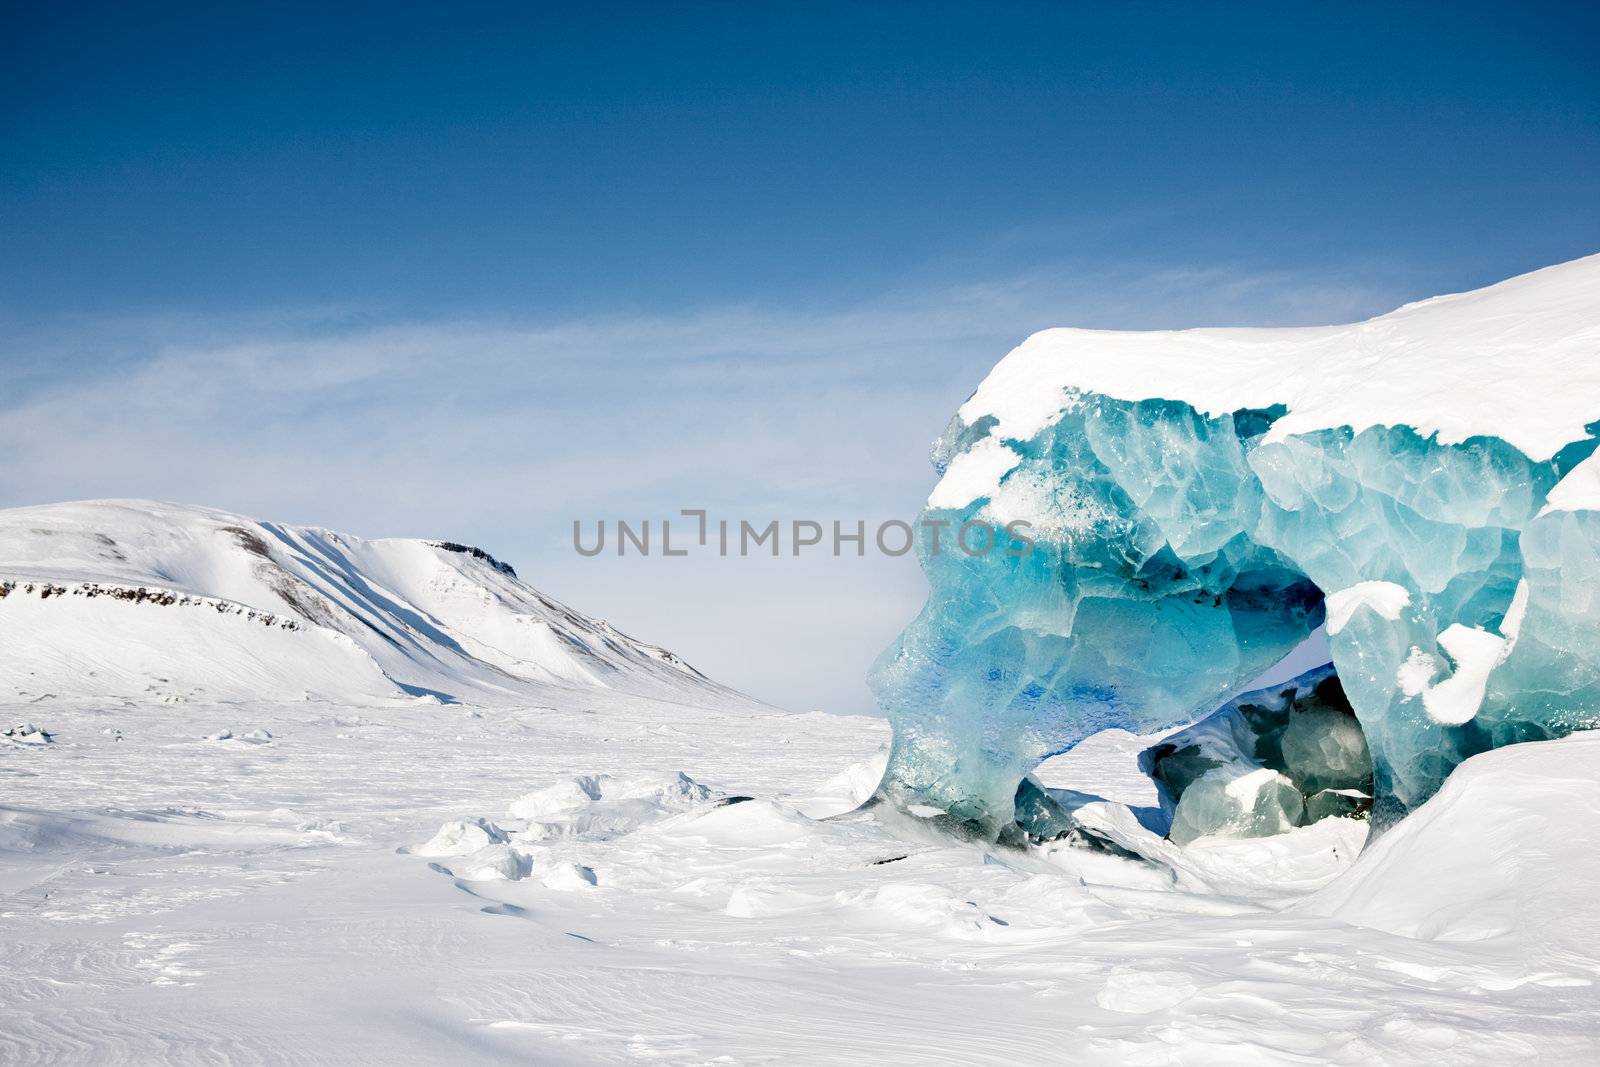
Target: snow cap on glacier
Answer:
pixel 1519 360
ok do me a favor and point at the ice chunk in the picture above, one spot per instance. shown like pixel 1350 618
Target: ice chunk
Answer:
pixel 462 837
pixel 1231 774
pixel 1258 803
pixel 1181 549
pixel 1148 608
pixel 675 792
pixel 1323 748
pixel 494 863
pixel 558 799
pixel 606 805
pixel 1336 803
pixel 567 877
pixel 26 733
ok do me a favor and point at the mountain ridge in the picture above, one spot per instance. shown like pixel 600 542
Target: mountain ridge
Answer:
pixel 375 618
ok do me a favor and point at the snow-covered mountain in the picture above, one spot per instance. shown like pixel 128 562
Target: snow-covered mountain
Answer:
pixel 140 599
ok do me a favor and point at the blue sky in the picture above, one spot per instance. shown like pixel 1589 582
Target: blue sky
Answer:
pixel 474 272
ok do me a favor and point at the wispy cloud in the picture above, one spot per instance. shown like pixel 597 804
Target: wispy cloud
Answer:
pixel 505 432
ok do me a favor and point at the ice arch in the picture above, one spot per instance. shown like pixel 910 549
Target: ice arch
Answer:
pixel 1182 546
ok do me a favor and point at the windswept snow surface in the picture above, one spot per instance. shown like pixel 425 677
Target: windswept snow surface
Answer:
pixel 307 799
pixel 581 883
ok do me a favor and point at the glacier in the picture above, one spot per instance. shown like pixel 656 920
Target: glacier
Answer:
pixel 1422 485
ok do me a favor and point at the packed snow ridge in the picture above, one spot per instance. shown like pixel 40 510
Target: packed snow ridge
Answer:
pixel 142 599
pixel 1423 488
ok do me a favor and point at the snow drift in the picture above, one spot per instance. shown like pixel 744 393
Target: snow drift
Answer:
pixel 1423 483
pixel 1505 850
pixel 162 601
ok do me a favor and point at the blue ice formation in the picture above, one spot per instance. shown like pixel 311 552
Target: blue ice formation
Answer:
pixel 1178 555
pixel 1282 756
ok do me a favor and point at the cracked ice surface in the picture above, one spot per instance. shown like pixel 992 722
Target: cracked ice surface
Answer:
pixel 1430 469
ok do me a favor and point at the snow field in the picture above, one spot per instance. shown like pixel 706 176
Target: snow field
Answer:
pixel 571 884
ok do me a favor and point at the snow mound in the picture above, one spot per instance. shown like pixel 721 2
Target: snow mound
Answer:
pixel 1138 992
pixel 553 825
pixel 603 804
pixel 848 789
pixel 462 837
pixel 1509 848
pixel 251 737
pixel 494 863
pixel 26 734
